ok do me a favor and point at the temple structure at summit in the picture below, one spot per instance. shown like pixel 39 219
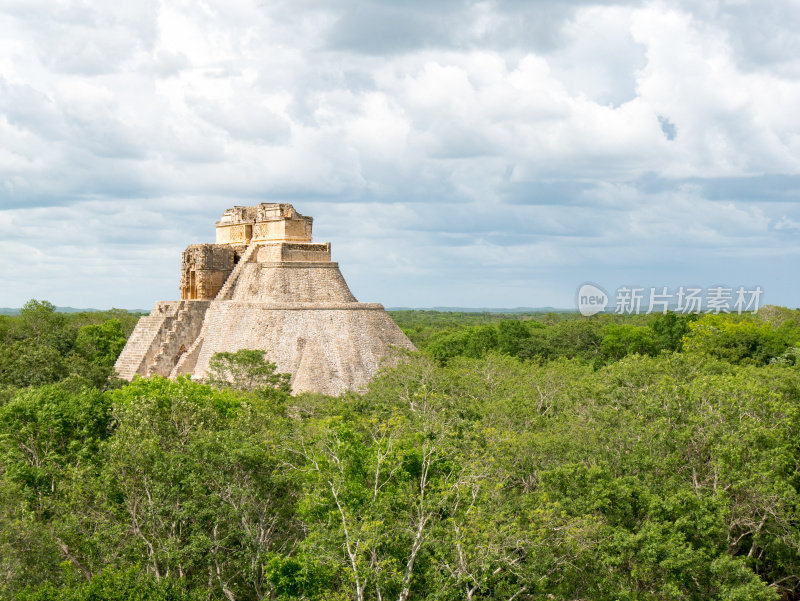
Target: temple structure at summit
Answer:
pixel 265 285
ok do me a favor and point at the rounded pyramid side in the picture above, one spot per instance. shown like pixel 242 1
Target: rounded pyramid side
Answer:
pixel 328 349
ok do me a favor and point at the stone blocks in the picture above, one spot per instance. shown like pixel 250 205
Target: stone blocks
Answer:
pixel 264 285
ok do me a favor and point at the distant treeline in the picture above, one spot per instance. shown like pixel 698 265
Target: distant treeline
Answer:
pixel 770 335
pixel 514 457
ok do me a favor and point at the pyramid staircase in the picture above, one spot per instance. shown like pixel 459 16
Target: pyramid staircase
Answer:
pixel 227 289
pixel 186 359
pixel 172 328
pixel 178 337
pixel 145 341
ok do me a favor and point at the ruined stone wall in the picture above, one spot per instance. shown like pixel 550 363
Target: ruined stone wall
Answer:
pixel 266 221
pixel 240 233
pixel 204 269
pixel 275 210
pixel 283 229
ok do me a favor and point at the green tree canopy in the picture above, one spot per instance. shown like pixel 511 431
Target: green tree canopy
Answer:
pixel 247 370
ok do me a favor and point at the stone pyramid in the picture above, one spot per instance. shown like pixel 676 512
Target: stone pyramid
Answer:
pixel 264 285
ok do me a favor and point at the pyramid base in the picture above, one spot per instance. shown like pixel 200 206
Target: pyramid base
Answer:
pixel 327 348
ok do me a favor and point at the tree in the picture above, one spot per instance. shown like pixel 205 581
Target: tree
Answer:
pixel 39 324
pixel 127 584
pixel 24 363
pixel 620 340
pixel 96 350
pixel 50 453
pixel 247 370
pixel 736 341
pixel 102 343
pixel 196 491
pixel 662 476
pixel 510 336
pixel 670 328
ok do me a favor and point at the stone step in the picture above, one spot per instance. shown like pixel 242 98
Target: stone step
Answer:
pixel 141 340
pixel 182 332
pixel 225 291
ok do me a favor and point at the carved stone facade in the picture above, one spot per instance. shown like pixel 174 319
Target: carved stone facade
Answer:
pixel 204 269
pixel 265 222
pixel 265 285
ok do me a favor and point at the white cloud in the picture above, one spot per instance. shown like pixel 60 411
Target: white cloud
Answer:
pixel 472 143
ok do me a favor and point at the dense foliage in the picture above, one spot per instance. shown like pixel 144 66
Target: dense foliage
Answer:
pixel 771 335
pixel 41 346
pixel 517 458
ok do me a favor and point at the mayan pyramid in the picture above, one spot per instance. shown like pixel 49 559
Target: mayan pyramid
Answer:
pixel 264 285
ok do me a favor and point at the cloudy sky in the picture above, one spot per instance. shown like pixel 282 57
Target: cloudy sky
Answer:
pixel 494 153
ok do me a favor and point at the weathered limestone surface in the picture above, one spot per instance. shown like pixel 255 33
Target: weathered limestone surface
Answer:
pixel 328 349
pixel 264 285
pixel 271 252
pixel 288 282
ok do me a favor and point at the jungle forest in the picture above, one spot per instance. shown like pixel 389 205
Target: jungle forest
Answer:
pixel 513 457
